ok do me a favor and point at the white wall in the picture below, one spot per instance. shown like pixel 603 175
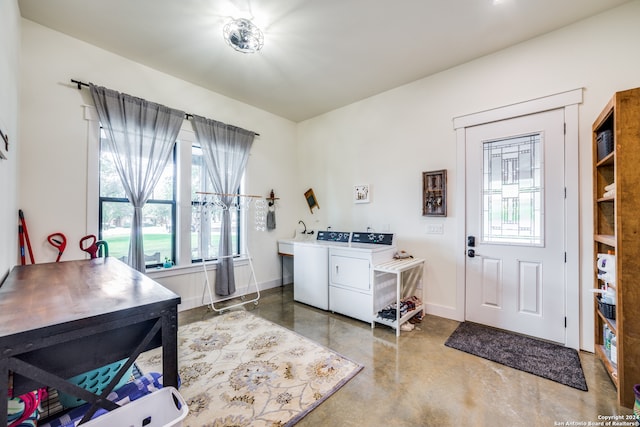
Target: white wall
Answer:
pixel 53 171
pixel 394 136
pixel 9 103
pixel 388 140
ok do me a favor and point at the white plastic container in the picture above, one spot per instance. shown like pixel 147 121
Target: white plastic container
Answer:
pixel 614 350
pixel 158 409
pixel 606 264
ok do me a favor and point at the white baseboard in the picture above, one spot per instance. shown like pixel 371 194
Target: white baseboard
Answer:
pixel 444 311
pixel 196 301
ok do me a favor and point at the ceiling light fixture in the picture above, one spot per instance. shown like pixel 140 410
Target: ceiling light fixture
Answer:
pixel 242 35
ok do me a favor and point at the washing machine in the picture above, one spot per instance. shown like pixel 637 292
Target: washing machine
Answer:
pixel 310 267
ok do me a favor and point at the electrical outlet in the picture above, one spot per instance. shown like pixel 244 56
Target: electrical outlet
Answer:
pixel 435 229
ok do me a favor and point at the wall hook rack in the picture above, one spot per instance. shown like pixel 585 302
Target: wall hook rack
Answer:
pixel 272 198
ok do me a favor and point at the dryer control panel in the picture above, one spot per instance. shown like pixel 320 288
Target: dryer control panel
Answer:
pixel 333 236
pixel 372 238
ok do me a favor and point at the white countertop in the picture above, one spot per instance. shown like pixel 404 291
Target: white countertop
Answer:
pixel 285 246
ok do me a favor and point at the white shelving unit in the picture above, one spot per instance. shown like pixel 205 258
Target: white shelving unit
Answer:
pixel 389 291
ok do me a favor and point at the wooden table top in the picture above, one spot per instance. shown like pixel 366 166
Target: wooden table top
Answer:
pixel 43 295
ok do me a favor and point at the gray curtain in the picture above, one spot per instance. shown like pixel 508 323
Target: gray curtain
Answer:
pixel 225 151
pixel 141 136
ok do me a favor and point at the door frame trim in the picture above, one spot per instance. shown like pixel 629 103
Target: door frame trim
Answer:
pixel 568 101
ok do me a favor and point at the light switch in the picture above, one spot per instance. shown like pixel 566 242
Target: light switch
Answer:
pixel 435 229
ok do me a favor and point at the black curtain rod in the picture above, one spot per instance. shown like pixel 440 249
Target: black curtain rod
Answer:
pixel 187 116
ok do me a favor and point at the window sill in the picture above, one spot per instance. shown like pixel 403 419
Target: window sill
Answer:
pixel 179 270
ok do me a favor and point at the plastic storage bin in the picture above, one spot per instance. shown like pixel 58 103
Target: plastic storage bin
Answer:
pixel 604 141
pixel 607 310
pixel 162 408
pixel 95 381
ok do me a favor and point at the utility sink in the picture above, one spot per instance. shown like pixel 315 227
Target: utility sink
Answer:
pixel 306 237
pixel 285 246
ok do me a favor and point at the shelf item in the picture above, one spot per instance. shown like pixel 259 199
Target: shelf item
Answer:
pixel 390 292
pixel 392 317
pixel 604 143
pixel 616 177
pixel 607 310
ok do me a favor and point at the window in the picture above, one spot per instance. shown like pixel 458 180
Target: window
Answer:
pixel 512 191
pixel 162 237
pixel 159 213
pixel 205 221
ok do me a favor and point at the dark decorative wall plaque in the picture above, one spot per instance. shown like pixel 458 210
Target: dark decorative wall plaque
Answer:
pixel 434 193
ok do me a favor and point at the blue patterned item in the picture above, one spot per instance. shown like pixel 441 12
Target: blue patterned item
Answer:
pixel 127 393
pixel 95 381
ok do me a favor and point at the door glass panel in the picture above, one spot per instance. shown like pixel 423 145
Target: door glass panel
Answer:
pixel 512 191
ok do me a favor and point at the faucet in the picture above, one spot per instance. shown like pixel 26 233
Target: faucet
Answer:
pixel 305 226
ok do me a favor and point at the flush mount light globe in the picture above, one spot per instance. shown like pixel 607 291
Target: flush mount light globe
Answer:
pixel 243 36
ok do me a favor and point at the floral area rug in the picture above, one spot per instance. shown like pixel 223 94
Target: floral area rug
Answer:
pixel 238 369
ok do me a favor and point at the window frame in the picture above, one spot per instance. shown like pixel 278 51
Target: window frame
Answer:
pixel 168 202
pixel 182 245
pixel 240 213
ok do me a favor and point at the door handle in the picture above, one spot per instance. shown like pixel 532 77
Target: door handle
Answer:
pixel 471 253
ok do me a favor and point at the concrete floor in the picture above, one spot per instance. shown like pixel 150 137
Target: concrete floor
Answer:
pixel 414 380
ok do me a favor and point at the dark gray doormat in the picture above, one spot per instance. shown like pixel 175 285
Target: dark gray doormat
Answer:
pixel 541 358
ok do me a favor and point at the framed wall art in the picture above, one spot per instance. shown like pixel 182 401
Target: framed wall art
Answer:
pixel 434 193
pixel 311 199
pixel 361 193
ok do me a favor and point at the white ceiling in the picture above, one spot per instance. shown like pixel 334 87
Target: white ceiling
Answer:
pixel 318 55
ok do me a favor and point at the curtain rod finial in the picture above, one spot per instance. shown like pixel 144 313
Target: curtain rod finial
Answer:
pixel 79 83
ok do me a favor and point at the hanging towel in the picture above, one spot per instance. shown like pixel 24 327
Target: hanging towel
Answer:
pixel 271 220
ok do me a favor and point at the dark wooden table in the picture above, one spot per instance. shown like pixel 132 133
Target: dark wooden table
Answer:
pixel 59 320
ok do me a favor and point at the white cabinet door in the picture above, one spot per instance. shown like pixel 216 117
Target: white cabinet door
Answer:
pixel 350 272
pixel 310 275
pixel 350 303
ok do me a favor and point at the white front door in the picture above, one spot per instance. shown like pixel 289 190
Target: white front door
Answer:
pixel 515 224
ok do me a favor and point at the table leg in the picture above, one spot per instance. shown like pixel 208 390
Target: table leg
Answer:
pixel 4 391
pixel 170 348
pixel 398 299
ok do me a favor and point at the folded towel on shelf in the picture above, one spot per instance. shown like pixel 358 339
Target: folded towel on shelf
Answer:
pixel 610 193
pixel 610 187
